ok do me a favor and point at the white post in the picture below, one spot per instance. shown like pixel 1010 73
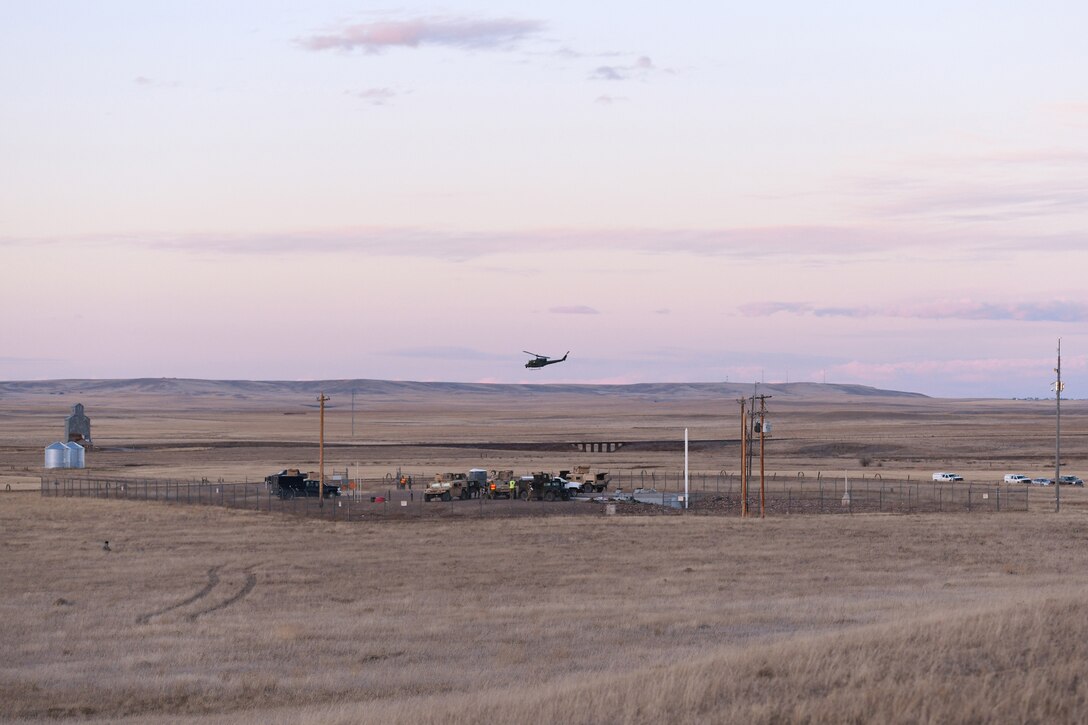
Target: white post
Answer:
pixel 686 477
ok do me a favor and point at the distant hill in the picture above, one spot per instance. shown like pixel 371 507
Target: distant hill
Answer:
pixel 393 388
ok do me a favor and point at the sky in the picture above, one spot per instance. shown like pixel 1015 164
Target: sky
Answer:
pixel 886 194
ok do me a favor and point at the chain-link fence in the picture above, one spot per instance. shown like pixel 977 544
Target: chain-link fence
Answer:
pixel 709 494
pixel 871 496
pixel 369 500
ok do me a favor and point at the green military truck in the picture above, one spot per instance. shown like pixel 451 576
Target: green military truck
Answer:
pixel 542 487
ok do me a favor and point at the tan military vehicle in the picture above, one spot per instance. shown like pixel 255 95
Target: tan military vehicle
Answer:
pixel 589 479
pixel 498 484
pixel 448 486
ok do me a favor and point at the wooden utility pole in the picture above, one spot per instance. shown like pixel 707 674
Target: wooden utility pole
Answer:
pixel 743 460
pixel 321 399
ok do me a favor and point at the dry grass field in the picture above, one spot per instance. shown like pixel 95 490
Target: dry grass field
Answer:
pixel 210 615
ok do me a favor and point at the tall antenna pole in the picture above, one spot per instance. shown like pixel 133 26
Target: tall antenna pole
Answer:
pixel 762 475
pixel 743 461
pixel 321 453
pixel 686 474
pixel 353 414
pixel 1058 433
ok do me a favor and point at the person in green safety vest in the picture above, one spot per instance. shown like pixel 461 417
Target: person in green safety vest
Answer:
pixel 513 487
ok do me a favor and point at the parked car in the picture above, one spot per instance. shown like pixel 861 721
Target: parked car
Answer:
pixel 947 477
pixel 571 487
pixel 1017 478
pixel 1071 481
pixel 1042 482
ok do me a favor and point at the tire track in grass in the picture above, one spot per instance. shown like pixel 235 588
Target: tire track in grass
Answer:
pixel 213 581
pixel 247 587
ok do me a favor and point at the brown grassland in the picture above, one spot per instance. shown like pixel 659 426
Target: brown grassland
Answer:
pixel 211 615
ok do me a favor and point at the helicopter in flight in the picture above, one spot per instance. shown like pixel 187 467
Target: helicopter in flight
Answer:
pixel 540 361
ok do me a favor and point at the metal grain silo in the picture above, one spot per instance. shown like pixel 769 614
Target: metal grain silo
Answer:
pixel 77 457
pixel 56 455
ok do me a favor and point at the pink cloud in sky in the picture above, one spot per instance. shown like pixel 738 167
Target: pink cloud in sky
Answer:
pixel 574 310
pixel 452 32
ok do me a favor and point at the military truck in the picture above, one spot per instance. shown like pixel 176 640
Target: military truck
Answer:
pixel 542 487
pixel 590 480
pixel 498 484
pixel 290 483
pixel 448 486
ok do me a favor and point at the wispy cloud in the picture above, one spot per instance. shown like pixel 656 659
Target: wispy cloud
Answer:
pixel 990 203
pixel 1049 311
pixel 574 310
pixel 145 82
pixel 737 243
pixel 608 100
pixel 766 309
pixel 640 68
pixel 439 352
pixel 375 96
pixel 1073 113
pixel 985 370
pixel 469 33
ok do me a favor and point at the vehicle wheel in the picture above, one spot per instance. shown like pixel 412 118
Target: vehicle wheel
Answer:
pixel 524 495
pixel 465 494
pixel 587 488
pixel 549 495
pixel 446 496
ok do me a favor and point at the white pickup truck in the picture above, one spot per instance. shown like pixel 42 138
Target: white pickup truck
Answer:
pixel 1016 478
pixel 947 477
